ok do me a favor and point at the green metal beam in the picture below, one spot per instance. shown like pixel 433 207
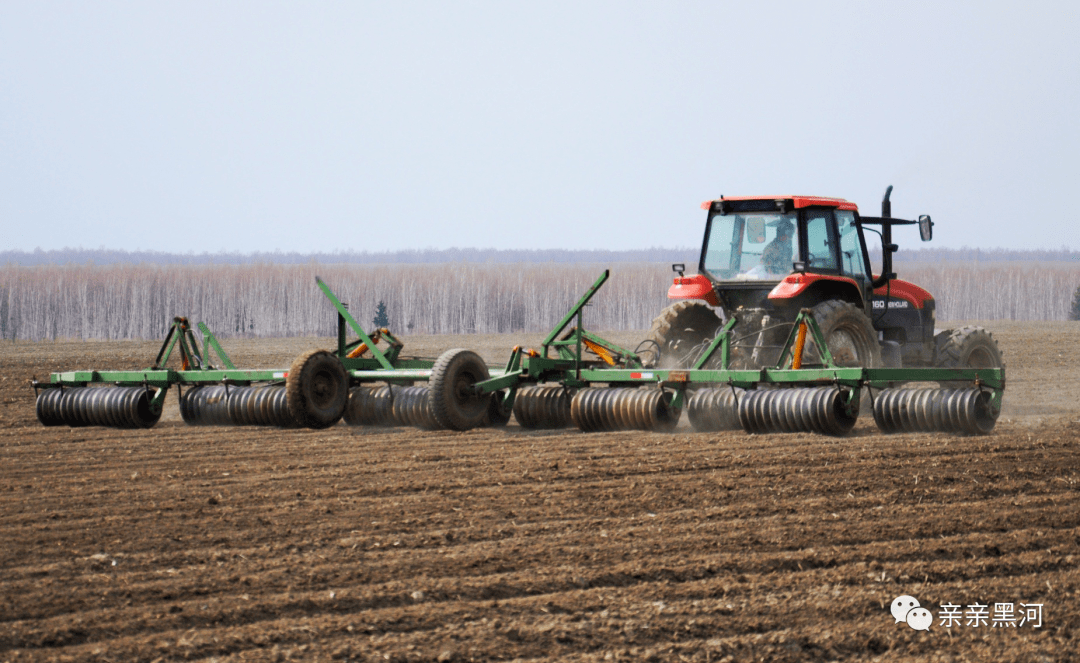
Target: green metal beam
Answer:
pixel 344 312
pixel 572 313
pixel 175 330
pixel 210 341
pixel 721 341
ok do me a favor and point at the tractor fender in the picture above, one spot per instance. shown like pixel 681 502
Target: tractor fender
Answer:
pixel 794 285
pixel 915 296
pixel 697 286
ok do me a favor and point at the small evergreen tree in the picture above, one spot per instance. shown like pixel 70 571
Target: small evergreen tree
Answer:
pixel 1074 312
pixel 381 318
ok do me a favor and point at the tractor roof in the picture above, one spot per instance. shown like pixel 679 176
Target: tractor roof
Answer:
pixel 797 201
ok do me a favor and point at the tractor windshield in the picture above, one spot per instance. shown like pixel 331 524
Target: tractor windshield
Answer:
pixel 751 246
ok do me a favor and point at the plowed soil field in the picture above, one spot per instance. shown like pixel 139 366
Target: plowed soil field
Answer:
pixel 232 544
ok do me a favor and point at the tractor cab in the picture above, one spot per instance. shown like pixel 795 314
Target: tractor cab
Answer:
pixel 753 244
pixel 792 251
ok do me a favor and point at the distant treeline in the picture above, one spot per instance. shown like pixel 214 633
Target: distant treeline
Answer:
pixel 409 257
pixel 968 255
pixel 997 290
pixel 481 256
pixel 123 301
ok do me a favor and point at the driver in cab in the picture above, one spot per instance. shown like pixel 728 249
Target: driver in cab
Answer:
pixel 777 255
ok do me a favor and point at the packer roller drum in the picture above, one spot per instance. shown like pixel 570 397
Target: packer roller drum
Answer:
pixel 260 406
pixel 542 407
pixel 411 407
pixel 205 406
pixel 797 410
pixel 614 409
pixel 370 406
pixel 715 409
pixel 218 405
pixel 114 407
pixel 934 411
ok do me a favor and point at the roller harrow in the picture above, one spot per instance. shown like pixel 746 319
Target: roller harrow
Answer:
pixel 312 392
pixel 576 379
pixel 793 396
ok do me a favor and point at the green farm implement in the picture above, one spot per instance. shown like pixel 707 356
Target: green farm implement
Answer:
pixel 576 378
pixel 313 392
pixel 614 391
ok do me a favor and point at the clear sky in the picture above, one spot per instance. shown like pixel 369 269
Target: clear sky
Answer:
pixel 312 126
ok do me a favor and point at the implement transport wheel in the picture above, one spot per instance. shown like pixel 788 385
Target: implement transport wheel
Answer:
pixel 850 335
pixel 498 415
pixel 317 389
pixel 454 403
pixel 677 332
pixel 966 347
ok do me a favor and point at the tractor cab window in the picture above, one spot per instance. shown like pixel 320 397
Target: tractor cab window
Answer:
pixel 820 246
pixel 751 246
pixel 851 252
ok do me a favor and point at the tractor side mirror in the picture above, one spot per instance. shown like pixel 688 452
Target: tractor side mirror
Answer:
pixel 679 268
pixel 926 227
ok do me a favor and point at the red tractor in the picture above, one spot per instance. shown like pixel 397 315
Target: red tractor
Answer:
pixel 765 258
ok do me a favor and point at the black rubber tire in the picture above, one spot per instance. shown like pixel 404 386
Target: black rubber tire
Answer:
pixel 453 402
pixel 676 331
pixel 850 335
pixel 966 347
pixel 498 416
pixel 317 389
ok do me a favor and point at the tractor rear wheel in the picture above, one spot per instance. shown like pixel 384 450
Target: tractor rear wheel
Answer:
pixel 454 402
pixel 849 335
pixel 967 347
pixel 676 332
pixel 317 389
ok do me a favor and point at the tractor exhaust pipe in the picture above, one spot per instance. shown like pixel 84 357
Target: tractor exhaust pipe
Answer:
pixel 887 246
